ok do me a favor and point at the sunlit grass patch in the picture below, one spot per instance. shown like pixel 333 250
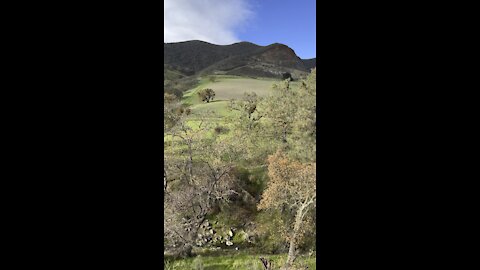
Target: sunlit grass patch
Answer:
pixel 240 261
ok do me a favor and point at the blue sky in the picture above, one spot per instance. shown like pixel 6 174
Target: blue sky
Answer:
pixel 288 22
pixel 263 22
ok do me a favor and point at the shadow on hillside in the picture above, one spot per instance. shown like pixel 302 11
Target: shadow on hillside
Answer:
pixel 215 101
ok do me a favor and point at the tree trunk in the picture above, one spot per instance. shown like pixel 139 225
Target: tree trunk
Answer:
pixel 190 160
pixel 184 252
pixel 292 249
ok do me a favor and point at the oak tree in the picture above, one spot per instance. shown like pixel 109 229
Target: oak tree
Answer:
pixel 206 95
pixel 291 184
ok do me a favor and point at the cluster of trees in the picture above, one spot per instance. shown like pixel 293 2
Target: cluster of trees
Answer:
pixel 285 120
pixel 198 175
pixel 277 132
pixel 281 130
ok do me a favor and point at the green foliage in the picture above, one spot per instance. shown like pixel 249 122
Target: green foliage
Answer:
pixel 304 126
pixel 232 215
pixel 252 180
pixel 272 230
pixel 240 238
pixel 206 95
pixel 247 110
pixel 238 260
pixel 241 138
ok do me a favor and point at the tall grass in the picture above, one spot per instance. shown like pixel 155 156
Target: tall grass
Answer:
pixel 237 262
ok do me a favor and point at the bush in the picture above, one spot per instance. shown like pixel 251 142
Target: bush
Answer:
pixel 240 238
pixel 212 79
pixel 272 230
pixel 286 76
pixel 221 130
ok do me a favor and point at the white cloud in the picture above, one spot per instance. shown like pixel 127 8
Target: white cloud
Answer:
pixel 214 21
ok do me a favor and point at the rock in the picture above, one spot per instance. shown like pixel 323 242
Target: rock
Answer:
pixel 230 233
pixel 229 243
pixel 212 231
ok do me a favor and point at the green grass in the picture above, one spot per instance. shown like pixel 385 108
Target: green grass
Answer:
pixel 226 88
pixel 218 107
pixel 190 97
pixel 234 88
pixel 233 261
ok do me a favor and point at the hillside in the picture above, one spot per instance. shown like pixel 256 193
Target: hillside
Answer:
pixel 171 74
pixel 242 59
pixel 310 63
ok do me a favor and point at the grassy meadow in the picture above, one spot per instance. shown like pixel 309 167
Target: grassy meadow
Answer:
pixel 227 88
pixel 230 261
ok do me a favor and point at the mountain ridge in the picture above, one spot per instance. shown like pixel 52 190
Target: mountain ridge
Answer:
pixel 196 57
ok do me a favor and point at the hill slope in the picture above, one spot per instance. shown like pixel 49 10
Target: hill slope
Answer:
pixel 243 59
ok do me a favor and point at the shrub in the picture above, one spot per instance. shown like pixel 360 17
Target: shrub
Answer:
pixel 286 76
pixel 221 130
pixel 212 79
pixel 206 95
pixel 240 237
